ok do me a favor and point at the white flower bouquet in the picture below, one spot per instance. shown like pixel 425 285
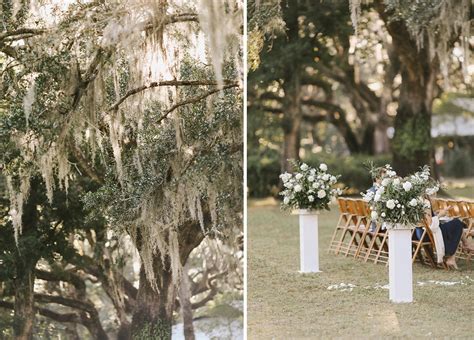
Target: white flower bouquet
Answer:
pixel 308 188
pixel 400 202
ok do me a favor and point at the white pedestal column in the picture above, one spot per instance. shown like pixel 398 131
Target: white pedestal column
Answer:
pixel 309 242
pixel 400 265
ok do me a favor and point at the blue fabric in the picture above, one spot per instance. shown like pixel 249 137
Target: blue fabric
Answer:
pixel 452 232
pixel 419 232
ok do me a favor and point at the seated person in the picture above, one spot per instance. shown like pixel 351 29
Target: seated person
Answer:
pixel 451 233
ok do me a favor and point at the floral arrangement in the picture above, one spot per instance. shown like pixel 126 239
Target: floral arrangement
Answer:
pixel 308 188
pixel 400 202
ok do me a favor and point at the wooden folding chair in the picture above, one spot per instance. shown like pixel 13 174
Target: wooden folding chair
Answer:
pixel 440 204
pixel 351 221
pixel 464 214
pixel 381 250
pixel 365 242
pixel 342 225
pixel 454 209
pixel 356 229
pixel 424 247
pixel 469 211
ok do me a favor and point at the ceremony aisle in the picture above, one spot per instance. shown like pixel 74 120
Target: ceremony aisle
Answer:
pixel 348 297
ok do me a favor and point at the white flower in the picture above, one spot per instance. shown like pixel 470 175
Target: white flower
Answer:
pixel 431 191
pixel 407 186
pixel 368 196
pixel 311 178
pixel 323 167
pixel 304 167
pixel 315 185
pixel 286 200
pixel 396 181
pixel 385 182
pixel 333 179
pixel 299 176
pixel 398 205
pixel 413 202
pixel 297 188
pixel 325 177
pixel 374 215
pixel 311 198
pixel 384 214
pixel 321 194
pixel 288 185
pixel 285 177
pixel 391 173
pixel 390 204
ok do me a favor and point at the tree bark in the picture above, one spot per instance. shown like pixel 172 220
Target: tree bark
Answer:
pixel 292 87
pixel 153 314
pixel 411 144
pixel 24 309
pixel 291 129
pixel 186 305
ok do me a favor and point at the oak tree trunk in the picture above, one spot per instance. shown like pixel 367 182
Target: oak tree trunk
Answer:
pixel 411 144
pixel 153 316
pixel 24 309
pixel 186 305
pixel 24 313
pixel 292 87
pixel 155 303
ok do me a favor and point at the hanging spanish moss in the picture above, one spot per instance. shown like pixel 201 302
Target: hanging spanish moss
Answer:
pixel 110 90
pixel 433 24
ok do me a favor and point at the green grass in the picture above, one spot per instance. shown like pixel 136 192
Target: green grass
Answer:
pixel 460 188
pixel 284 304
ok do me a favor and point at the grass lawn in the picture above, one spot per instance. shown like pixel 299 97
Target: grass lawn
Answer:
pixel 284 304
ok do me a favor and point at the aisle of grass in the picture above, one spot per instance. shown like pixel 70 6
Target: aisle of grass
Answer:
pixel 284 304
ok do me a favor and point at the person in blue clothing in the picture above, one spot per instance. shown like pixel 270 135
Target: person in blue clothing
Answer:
pixel 452 233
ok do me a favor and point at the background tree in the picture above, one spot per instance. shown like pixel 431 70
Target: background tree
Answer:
pixel 355 81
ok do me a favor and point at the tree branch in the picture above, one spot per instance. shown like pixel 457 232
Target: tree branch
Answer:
pixel 81 159
pixel 81 305
pixel 195 100
pixel 67 317
pixel 21 32
pixel 165 83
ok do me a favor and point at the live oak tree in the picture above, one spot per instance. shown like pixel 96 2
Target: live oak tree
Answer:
pixel 314 43
pixel 129 91
pixel 424 34
pixel 403 46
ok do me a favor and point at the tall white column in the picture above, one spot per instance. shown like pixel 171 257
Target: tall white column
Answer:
pixel 309 242
pixel 400 265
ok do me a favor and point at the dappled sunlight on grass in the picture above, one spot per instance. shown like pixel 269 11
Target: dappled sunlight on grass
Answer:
pixel 283 303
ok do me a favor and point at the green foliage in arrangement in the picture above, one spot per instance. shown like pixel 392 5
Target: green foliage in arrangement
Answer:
pixel 308 188
pixel 400 202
